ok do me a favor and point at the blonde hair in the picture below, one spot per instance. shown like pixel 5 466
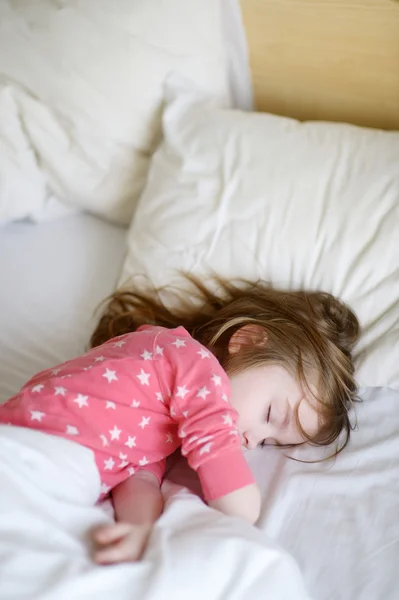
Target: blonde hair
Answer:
pixel 310 333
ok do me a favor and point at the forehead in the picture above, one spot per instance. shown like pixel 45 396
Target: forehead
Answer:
pixel 275 377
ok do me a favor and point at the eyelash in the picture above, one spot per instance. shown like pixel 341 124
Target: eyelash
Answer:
pixel 262 443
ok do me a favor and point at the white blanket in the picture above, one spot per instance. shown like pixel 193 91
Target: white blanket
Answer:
pixel 48 486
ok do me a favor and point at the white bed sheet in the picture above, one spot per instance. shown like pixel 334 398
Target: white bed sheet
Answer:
pixel 338 519
pixel 52 277
pixel 340 522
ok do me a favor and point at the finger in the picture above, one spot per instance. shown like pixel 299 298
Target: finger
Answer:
pixel 122 551
pixel 109 534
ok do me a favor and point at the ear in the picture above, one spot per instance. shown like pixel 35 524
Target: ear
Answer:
pixel 247 335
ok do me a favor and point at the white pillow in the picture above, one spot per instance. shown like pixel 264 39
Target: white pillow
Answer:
pixel 19 171
pixel 87 79
pixel 313 204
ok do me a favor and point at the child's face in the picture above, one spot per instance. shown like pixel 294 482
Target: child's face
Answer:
pixel 267 399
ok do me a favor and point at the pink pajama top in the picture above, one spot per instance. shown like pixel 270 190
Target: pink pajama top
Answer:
pixel 133 401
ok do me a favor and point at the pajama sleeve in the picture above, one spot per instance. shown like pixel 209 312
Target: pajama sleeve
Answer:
pixel 199 403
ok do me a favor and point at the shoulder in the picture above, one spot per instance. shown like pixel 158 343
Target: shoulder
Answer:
pixel 155 340
pixel 145 334
pixel 187 354
pixel 179 343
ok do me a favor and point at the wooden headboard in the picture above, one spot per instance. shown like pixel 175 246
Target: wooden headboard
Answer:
pixel 335 60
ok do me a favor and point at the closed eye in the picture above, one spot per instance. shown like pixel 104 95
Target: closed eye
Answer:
pixel 263 442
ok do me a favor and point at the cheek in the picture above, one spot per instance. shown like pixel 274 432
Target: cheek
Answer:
pixel 243 416
pixel 238 395
pixel 247 401
pixel 308 418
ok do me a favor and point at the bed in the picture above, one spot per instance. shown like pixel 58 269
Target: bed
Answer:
pixel 328 530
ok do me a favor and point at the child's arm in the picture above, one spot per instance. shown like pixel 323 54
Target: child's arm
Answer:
pixel 244 502
pixel 138 503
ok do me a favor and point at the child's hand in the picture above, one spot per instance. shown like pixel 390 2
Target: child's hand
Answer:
pixel 120 542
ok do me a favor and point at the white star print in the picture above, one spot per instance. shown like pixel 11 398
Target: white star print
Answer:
pixel 160 397
pixel 109 464
pixel 169 438
pixel 37 415
pixel 109 404
pixel 203 353
pixel 159 350
pixel 87 368
pixel 206 448
pixel 104 440
pixel 124 462
pixel 115 433
pixel 192 439
pixel 60 391
pixel 172 412
pixel 104 488
pixel 144 422
pixel 146 355
pixel 143 461
pixel 181 391
pixel 185 413
pixel 143 377
pixel 119 344
pixel 217 380
pixel 233 432
pixel 37 388
pixel 131 441
pixel 179 343
pixel 182 433
pixel 99 358
pixel 72 430
pixel 81 400
pixel 225 398
pixel 227 420
pixel 203 392
pixel 55 371
pixel 135 404
pixel 205 439
pixel 110 375
pixel 131 471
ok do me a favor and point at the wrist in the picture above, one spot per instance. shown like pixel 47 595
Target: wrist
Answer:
pixel 142 526
pixel 138 500
pixel 148 477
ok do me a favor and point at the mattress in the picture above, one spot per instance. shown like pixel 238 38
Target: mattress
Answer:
pixel 52 278
pixel 338 519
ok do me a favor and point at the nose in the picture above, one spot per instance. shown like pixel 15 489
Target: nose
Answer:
pixel 250 443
